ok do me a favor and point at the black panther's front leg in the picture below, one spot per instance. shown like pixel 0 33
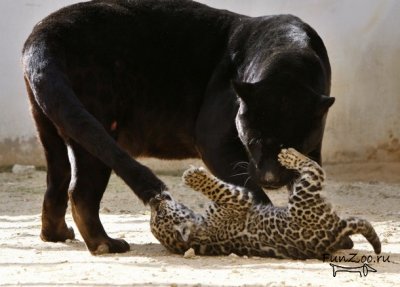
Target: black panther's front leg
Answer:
pixel 315 154
pixel 218 143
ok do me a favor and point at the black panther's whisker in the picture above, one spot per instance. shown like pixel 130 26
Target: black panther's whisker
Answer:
pixel 246 181
pixel 238 174
pixel 243 164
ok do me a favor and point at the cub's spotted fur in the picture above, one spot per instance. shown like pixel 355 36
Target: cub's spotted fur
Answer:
pixel 233 223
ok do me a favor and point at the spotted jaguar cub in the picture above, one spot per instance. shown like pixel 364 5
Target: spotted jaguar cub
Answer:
pixel 234 223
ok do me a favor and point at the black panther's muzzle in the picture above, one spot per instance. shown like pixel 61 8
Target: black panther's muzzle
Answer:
pixel 271 175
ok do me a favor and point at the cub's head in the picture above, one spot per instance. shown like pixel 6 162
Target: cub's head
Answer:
pixel 286 108
pixel 171 222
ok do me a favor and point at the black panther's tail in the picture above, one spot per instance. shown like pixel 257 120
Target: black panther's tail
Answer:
pixel 44 73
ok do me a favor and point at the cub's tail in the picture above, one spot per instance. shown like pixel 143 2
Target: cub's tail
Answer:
pixel 354 225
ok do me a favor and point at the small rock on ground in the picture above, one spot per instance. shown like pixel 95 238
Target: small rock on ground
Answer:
pixel 189 253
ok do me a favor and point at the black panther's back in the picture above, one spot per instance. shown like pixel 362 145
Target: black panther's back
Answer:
pixel 181 40
pixel 132 54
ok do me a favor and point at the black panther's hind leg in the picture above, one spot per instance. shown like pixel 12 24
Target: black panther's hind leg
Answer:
pixel 55 200
pixel 89 181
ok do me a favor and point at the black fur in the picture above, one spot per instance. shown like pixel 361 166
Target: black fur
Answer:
pixel 112 80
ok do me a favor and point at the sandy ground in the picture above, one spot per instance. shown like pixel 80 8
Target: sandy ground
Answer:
pixel 371 191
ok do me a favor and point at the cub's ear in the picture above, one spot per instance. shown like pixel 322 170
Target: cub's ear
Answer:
pixel 323 105
pixel 244 91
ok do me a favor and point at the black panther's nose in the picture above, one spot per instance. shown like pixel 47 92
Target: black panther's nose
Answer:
pixel 269 177
pixel 270 180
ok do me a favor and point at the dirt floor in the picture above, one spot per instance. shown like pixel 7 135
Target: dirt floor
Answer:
pixel 371 191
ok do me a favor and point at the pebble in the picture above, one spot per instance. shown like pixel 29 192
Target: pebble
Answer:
pixel 20 169
pixel 189 253
pixel 105 210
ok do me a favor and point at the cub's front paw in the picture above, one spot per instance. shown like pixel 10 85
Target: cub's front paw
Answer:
pixel 291 158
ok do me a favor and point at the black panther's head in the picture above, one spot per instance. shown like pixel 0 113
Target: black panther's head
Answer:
pixel 278 112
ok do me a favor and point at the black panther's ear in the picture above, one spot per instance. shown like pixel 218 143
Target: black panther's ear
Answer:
pixel 324 103
pixel 244 91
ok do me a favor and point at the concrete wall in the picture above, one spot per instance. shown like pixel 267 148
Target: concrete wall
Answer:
pixel 18 142
pixel 362 38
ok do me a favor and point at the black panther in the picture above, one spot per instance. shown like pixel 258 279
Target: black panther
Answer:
pixel 113 80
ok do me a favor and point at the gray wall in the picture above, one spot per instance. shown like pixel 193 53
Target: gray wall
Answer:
pixel 363 42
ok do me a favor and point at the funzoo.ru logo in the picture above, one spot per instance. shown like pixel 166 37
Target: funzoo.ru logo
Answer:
pixel 354 258
pixel 364 269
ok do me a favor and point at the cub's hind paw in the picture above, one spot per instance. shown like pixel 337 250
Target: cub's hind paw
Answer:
pixel 290 158
pixel 194 176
